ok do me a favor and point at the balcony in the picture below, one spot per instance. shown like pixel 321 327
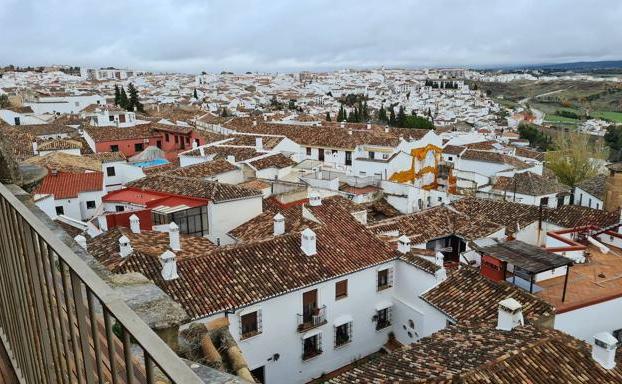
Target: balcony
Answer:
pixel 312 319
pixel 311 353
pixel 61 323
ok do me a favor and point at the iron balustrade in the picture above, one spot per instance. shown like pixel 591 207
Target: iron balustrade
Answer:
pixel 61 323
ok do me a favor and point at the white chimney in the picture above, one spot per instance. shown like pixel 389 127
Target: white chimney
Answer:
pixel 103 223
pixel 342 124
pixel 254 123
pixel 510 314
pixel 169 265
pixel 604 349
pixel 314 199
pixel 368 125
pixel 35 147
pixel 403 244
pixel 195 145
pixel 134 224
pixel 439 259
pixel 173 233
pixel 231 159
pixel 386 129
pixel 81 240
pixel 307 243
pixel 125 248
pixel 279 224
pixel 441 273
pixel 258 144
pixel 349 131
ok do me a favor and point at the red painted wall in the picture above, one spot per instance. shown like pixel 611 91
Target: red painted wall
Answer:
pixel 492 268
pixel 125 146
pixel 122 219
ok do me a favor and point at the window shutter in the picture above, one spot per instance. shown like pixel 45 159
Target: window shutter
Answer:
pixel 259 321
pixel 319 341
pixel 390 277
pixel 334 336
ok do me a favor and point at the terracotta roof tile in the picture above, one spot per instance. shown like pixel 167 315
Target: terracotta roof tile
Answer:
pixel 68 185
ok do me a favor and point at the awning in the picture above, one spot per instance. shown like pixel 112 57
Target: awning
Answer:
pixel 311 333
pixel 383 304
pixel 341 320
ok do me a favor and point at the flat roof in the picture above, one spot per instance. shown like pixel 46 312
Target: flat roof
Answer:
pixel 528 257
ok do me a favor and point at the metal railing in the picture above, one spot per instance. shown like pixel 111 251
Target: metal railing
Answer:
pixel 61 323
pixel 313 318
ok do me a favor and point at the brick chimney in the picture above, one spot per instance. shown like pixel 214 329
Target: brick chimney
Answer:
pixel 403 244
pixel 125 248
pixel 308 242
pixel 604 349
pixel 173 233
pixel 279 224
pixel 510 314
pixel 134 224
pixel 169 265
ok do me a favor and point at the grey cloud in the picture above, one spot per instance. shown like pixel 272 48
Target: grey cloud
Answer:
pixel 280 35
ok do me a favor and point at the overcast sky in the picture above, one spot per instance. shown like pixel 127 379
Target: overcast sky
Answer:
pixel 292 35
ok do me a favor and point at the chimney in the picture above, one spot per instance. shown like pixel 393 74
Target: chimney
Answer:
pixel 81 240
pixel 125 248
pixel 169 265
pixel 349 131
pixel 307 243
pixel 231 159
pixel 439 259
pixel 510 314
pixel 54 172
pixel 258 144
pixel 386 129
pixel 314 199
pixel 35 147
pixel 342 124
pixel 254 123
pixel 103 223
pixel 135 224
pixel 195 145
pixel 279 224
pixel 368 125
pixel 403 244
pixel 173 233
pixel 604 349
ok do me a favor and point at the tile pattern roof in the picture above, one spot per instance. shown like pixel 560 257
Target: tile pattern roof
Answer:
pixel 435 223
pixel 461 354
pixel 234 276
pixel 278 161
pixel 379 210
pixel 453 149
pixel 104 134
pixel 223 151
pixel 467 296
pixel 205 169
pixel 595 186
pixel 529 183
pixel 65 162
pixel 494 157
pixel 20 142
pixel 59 144
pixel 529 153
pixel 416 259
pixel 193 187
pixel 107 157
pixel 51 128
pixel 68 185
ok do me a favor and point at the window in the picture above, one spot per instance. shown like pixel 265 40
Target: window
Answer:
pixel 450 158
pixel 250 324
pixel 197 142
pixel 312 346
pixel 343 334
pixel 60 210
pixel 589 202
pixel 383 318
pixel 166 137
pixel 348 158
pixel 90 204
pixel 372 155
pixel 119 208
pixel 597 205
pixel 17 120
pixel 110 171
pixel 320 154
pixel 341 289
pixel 138 147
pixel 114 148
pixel 176 139
pixel 111 118
pixel 384 279
pixel 308 151
pixel 159 144
pixel 544 201
pixel 362 173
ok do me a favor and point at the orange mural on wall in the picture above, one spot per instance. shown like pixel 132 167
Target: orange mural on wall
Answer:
pixel 412 174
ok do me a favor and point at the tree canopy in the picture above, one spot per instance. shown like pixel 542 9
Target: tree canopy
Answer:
pixel 575 158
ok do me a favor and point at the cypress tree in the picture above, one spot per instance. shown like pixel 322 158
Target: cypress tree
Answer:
pixel 117 95
pixel 123 100
pixel 133 100
pixel 196 96
pixel 382 114
pixel 392 117
pixel 401 117
pixel 328 116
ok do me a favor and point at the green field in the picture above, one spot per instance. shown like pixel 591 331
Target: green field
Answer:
pixel 611 116
pixel 560 119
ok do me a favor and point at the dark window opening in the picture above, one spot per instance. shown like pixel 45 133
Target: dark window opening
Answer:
pixel 341 289
pixel 383 318
pixel 312 346
pixel 348 158
pixel 119 208
pixel 60 210
pixel 384 279
pixel 110 171
pixel 308 151
pixel 250 325
pixel 114 148
pixel 343 334
pixel 90 204
pixel 138 147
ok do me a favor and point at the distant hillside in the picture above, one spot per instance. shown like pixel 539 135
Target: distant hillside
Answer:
pixel 578 66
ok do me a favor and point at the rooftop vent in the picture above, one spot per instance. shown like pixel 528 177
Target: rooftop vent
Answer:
pixel 125 248
pixel 173 233
pixel 308 242
pixel 403 244
pixel 169 265
pixel 604 349
pixel 134 224
pixel 314 199
pixel 510 314
pixel 279 224
pixel 81 240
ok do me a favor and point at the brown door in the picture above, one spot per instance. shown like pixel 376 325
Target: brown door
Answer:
pixel 320 154
pixel 122 118
pixel 309 304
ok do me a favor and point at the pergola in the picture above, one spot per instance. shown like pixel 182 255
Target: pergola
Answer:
pixel 528 260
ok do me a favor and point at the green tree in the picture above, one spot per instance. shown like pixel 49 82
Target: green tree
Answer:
pixel 536 138
pixel 195 94
pixel 417 122
pixel 328 116
pixel 401 117
pixel 382 114
pixel 4 101
pixel 575 158
pixel 134 103
pixel 392 120
pixel 117 95
pixel 124 102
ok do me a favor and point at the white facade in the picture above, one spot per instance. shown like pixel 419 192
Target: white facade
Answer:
pixel 82 207
pixel 15 118
pixel 585 199
pixel 227 215
pixel 64 104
